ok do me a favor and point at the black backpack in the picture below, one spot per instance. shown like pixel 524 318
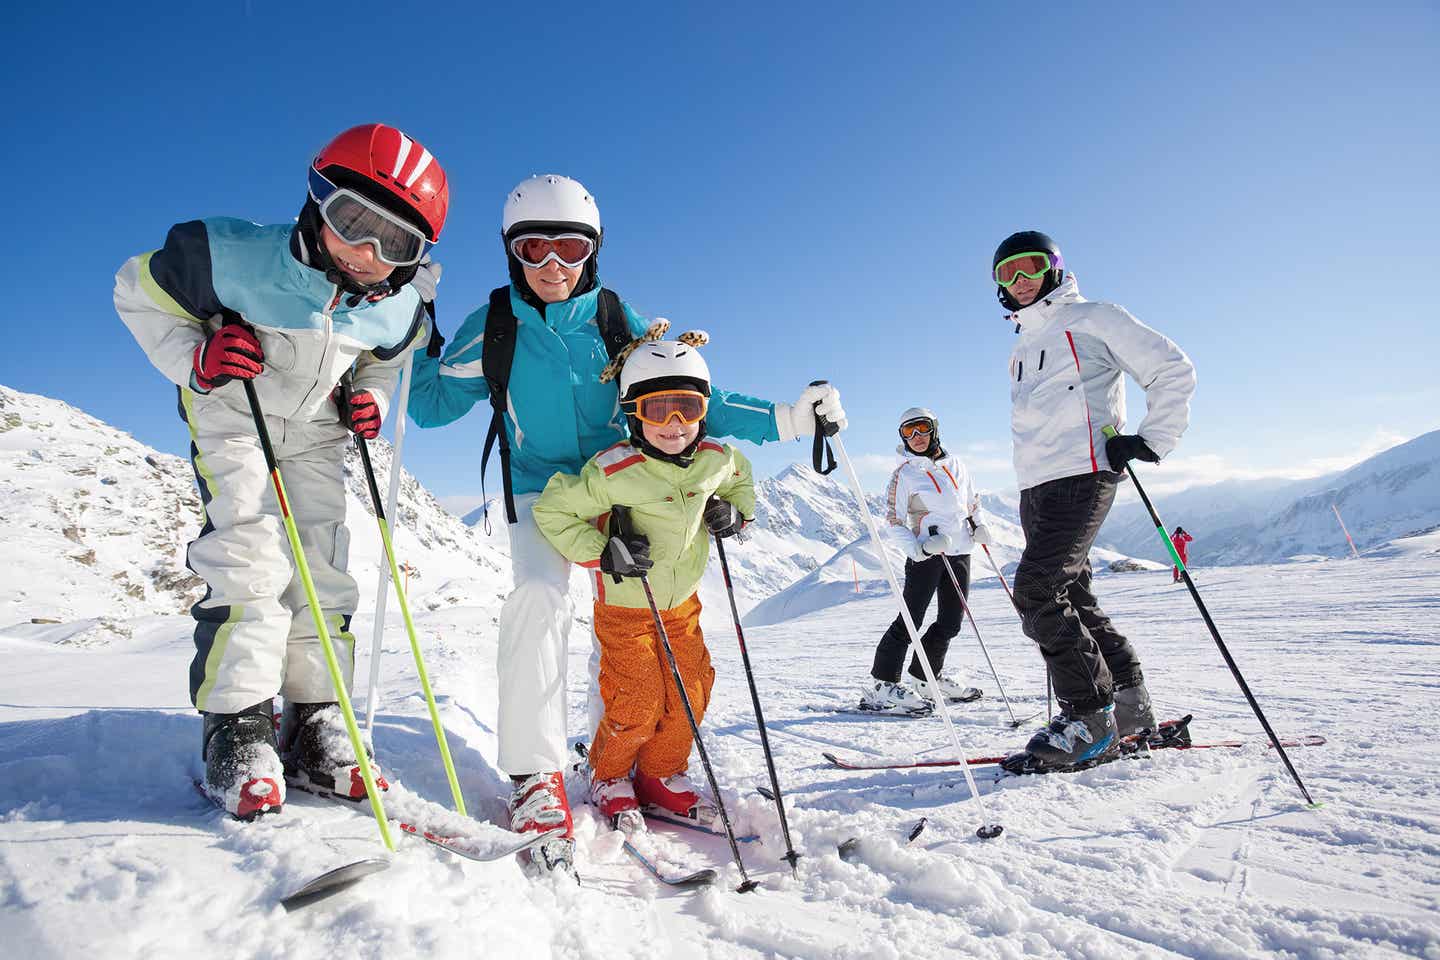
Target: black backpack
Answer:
pixel 497 355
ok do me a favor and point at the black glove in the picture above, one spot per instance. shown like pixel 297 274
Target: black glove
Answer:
pixel 722 518
pixel 627 556
pixel 1124 447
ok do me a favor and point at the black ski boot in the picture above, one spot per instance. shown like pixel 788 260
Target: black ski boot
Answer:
pixel 318 756
pixel 242 770
pixel 1071 741
pixel 1133 714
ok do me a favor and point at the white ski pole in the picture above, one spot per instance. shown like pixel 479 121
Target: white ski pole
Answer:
pixel 382 592
pixel 988 829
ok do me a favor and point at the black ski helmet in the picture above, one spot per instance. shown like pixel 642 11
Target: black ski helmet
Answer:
pixel 1028 241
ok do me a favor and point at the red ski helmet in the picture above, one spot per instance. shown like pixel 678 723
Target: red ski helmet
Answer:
pixel 385 165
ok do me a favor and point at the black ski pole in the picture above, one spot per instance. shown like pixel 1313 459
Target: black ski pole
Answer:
pixel 619 516
pixel 966 607
pixel 790 855
pixel 1214 631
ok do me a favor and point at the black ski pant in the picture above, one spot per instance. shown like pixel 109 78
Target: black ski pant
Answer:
pixel 1087 657
pixel 923 578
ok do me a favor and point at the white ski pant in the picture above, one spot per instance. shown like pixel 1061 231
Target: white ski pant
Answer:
pixel 534 651
pixel 254 634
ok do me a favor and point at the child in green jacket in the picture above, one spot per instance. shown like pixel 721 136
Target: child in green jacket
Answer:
pixel 678 488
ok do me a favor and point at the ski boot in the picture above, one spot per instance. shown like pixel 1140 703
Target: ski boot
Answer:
pixel 952 691
pixel 538 805
pixel 243 774
pixel 1133 714
pixel 1071 741
pixel 882 696
pixel 318 755
pixel 615 799
pixel 674 797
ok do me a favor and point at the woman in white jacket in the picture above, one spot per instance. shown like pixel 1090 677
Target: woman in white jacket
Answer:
pixel 934 515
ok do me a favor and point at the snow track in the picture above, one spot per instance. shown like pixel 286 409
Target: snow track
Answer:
pixel 105 848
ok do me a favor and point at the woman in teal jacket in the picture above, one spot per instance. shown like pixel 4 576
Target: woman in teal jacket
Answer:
pixel 558 415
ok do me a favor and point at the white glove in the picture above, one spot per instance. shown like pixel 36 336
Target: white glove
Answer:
pixel 798 419
pixel 981 535
pixel 935 544
pixel 427 278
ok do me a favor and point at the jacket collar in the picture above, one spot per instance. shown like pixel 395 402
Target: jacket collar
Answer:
pixel 1038 315
pixel 567 313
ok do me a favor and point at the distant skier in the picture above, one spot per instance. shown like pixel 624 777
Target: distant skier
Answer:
pixel 929 491
pixel 679 488
pixel 293 308
pixel 1067 384
pixel 1180 540
pixel 536 351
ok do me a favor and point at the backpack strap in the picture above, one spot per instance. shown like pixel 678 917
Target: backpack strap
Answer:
pixel 610 320
pixel 497 353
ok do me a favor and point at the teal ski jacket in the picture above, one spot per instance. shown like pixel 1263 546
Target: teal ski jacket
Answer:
pixel 559 414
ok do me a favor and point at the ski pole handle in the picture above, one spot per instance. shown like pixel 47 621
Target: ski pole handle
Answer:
pixel 822 458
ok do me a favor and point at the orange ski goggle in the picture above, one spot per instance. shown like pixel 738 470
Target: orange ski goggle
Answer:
pixel 659 408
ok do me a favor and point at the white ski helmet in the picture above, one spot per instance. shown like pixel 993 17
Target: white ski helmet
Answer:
pixel 550 201
pixel 663 365
pixel 918 413
pixel 921 413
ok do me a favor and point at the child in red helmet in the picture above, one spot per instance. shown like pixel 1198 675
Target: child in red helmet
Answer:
pixel 294 308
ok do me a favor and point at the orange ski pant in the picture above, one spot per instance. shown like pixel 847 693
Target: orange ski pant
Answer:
pixel 644 726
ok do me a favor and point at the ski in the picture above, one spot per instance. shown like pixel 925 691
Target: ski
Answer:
pixel 665 816
pixel 1173 735
pixel 333 881
pixel 481 851
pixel 850 849
pixel 700 878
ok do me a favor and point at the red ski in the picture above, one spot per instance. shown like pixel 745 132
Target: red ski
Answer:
pixel 1173 735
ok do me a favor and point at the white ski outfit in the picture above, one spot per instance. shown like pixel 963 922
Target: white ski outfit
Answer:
pixel 925 493
pixel 254 636
pixel 1067 384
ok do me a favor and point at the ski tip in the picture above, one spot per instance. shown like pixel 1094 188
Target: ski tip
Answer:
pixel 831 757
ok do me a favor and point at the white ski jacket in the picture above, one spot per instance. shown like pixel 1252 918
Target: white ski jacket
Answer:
pixel 1067 384
pixel 925 493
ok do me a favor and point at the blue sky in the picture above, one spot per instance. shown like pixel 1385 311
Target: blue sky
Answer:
pixel 819 186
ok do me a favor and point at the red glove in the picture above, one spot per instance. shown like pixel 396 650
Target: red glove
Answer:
pixel 364 416
pixel 231 353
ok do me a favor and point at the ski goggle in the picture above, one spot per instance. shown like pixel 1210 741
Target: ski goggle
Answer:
pixel 1031 266
pixel 356 220
pixel 659 408
pixel 537 249
pixel 914 427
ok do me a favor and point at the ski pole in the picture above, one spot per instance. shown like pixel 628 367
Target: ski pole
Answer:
pixel 966 607
pixel 1110 431
pixel 404 604
pixel 988 829
pixel 790 855
pixel 331 664
pixel 382 593
pixel 619 515
pixel 1049 690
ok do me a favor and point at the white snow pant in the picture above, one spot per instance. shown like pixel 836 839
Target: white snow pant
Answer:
pixel 533 651
pixel 254 633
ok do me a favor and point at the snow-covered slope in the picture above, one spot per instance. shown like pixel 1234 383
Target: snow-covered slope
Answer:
pixel 1389 495
pixel 105 849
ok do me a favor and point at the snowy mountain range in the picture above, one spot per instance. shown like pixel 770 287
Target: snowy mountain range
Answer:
pixel 1393 494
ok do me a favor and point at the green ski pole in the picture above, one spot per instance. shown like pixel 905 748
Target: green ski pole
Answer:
pixel 1110 431
pixel 333 665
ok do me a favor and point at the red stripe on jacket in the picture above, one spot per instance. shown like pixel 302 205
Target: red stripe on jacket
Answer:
pixel 1089 428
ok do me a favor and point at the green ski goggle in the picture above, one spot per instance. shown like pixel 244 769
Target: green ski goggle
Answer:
pixel 1031 266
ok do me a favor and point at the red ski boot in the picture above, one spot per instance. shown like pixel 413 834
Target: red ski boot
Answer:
pixel 538 805
pixel 615 799
pixel 674 796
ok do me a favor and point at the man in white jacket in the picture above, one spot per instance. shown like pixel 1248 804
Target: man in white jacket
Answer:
pixel 1066 385
pixel 934 515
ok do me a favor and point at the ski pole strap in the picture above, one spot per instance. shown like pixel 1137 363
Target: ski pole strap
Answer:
pixel 822 457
